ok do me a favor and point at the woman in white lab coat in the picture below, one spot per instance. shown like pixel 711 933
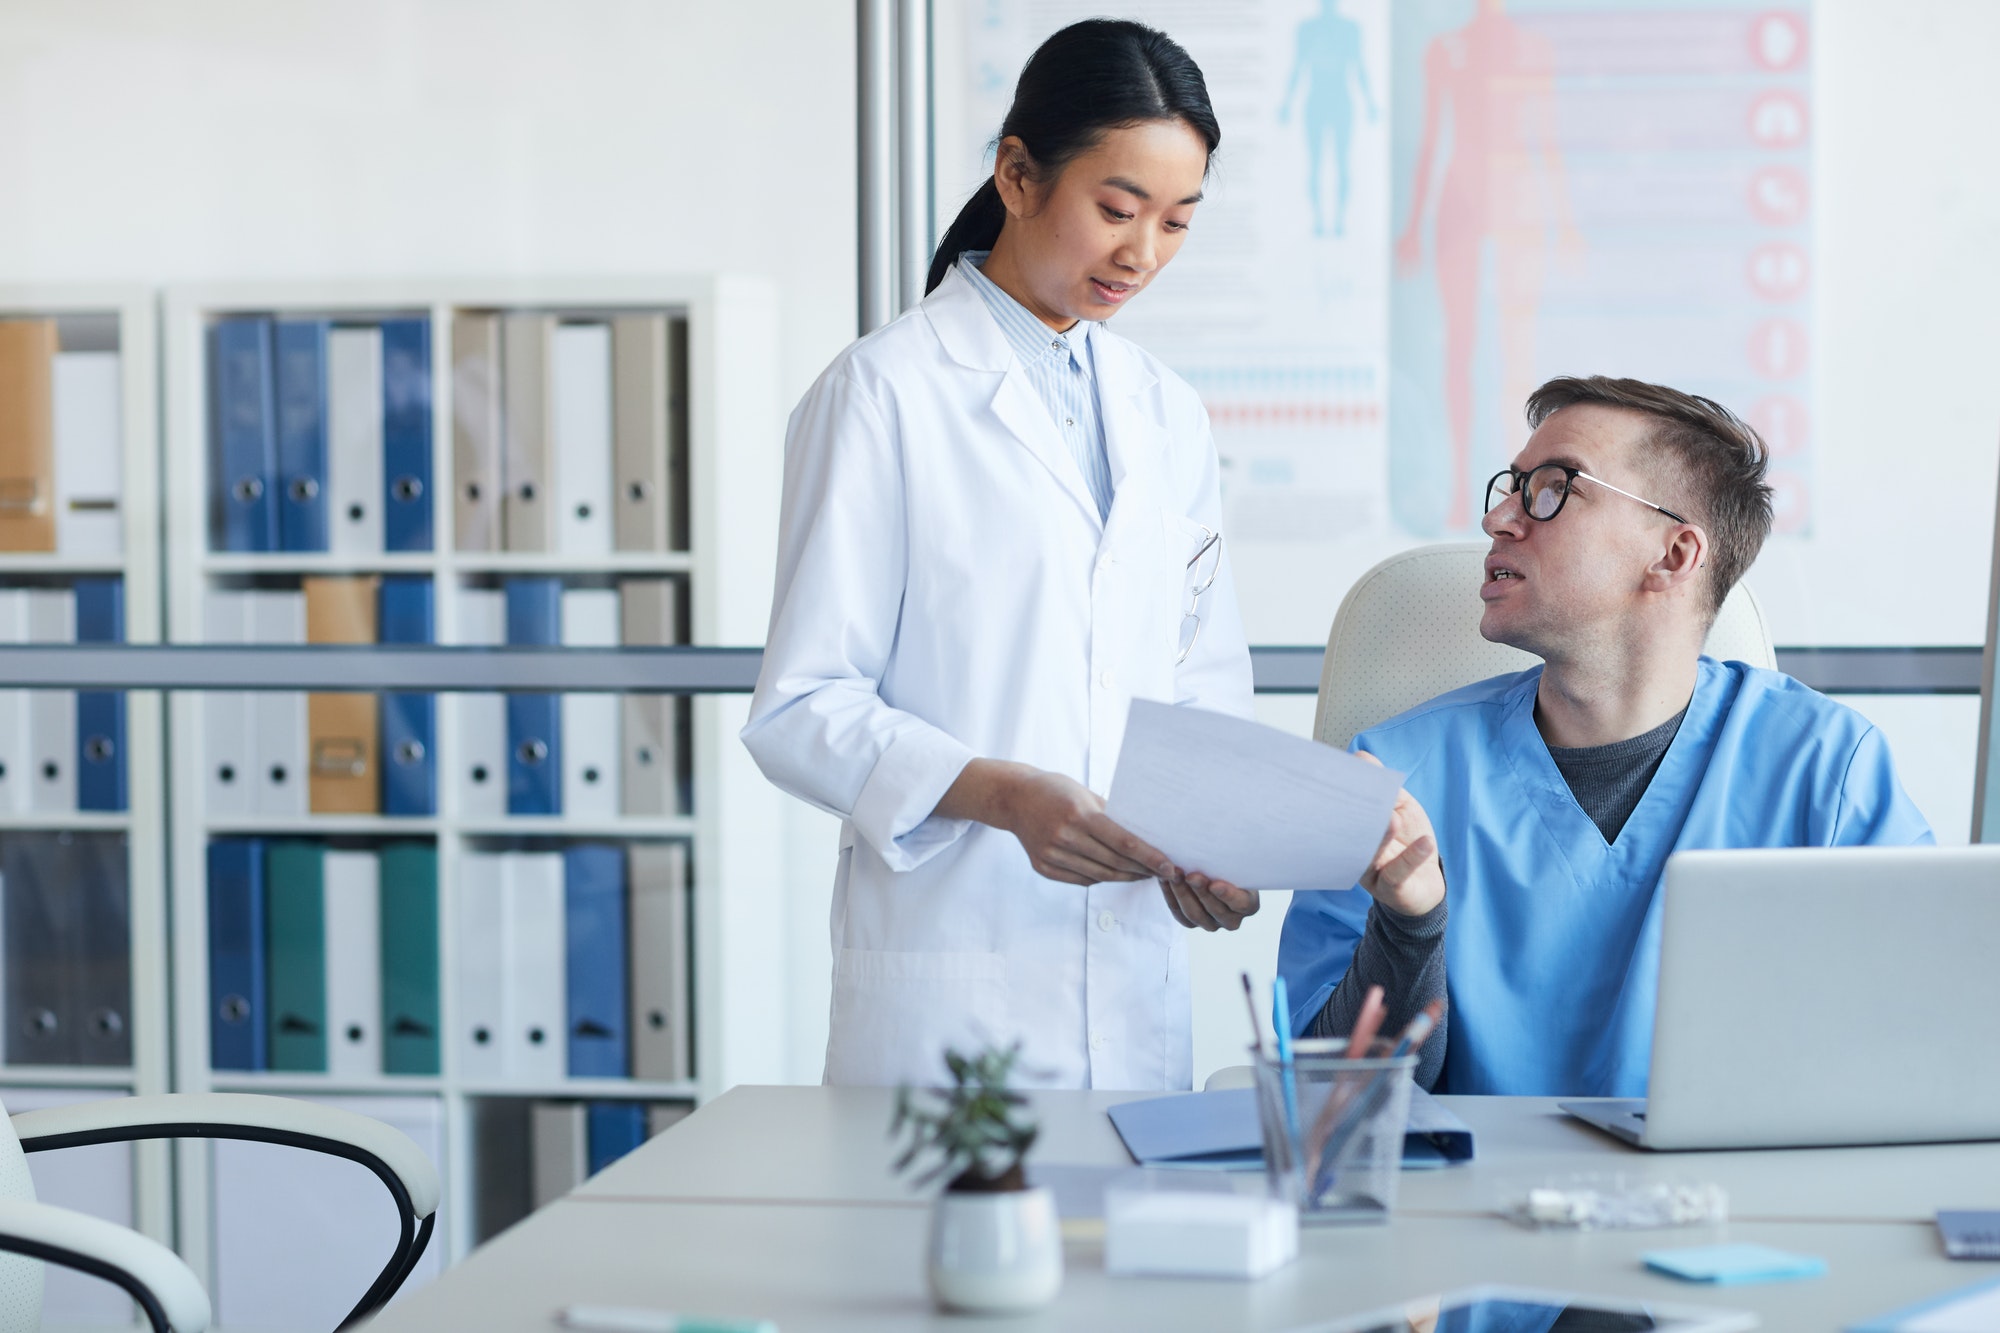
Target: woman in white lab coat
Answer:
pixel 1001 525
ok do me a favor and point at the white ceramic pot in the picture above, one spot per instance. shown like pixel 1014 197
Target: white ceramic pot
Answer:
pixel 995 1253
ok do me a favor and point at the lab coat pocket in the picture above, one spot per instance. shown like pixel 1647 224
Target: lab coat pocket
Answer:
pixel 895 1012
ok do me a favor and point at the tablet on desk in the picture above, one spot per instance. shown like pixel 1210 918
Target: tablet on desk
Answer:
pixel 1518 1310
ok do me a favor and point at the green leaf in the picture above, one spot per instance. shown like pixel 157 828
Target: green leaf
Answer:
pixel 974 1127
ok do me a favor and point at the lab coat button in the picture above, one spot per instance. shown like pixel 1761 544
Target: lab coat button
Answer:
pixel 1105 921
pixel 1097 1041
pixel 1104 679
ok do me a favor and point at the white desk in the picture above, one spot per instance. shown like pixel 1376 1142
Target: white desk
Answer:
pixel 777 1203
pixel 823 1145
pixel 831 1145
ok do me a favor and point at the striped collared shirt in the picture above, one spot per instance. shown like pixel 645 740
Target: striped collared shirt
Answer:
pixel 1061 367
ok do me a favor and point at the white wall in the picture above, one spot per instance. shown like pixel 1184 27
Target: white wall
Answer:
pixel 1908 326
pixel 320 139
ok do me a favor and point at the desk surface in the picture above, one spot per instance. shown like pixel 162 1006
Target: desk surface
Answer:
pixel 778 1203
pixel 847 1268
pixel 831 1145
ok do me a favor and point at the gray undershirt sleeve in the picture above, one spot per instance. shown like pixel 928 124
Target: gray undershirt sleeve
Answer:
pixel 1404 955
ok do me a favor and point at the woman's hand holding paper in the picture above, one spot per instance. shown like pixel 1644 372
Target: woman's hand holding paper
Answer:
pixel 1060 822
pixel 1201 903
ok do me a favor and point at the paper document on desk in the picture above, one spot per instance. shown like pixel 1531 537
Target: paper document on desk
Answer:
pixel 1974 1309
pixel 1246 803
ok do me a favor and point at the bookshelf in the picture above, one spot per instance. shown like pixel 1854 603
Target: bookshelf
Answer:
pixel 733 451
pixel 113 319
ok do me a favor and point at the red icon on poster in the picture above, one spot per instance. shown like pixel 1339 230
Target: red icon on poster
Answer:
pixel 1779 271
pixel 1778 348
pixel 1779 196
pixel 1781 419
pixel 1778 119
pixel 1778 40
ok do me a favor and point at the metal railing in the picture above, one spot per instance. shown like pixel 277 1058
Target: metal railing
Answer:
pixel 436 670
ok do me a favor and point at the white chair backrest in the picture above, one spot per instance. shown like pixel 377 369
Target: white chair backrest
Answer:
pixel 1409 631
pixel 20 1277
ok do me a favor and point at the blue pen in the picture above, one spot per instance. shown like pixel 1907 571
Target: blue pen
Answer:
pixel 1281 1023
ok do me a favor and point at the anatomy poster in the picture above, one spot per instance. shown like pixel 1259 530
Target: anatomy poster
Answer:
pixel 1618 189
pixel 1423 209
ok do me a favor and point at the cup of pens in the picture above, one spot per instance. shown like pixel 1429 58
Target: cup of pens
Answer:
pixel 1333 1128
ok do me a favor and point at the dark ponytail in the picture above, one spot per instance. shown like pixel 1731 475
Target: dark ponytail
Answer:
pixel 1090 77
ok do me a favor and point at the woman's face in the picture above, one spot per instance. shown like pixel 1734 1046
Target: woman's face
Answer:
pixel 1084 244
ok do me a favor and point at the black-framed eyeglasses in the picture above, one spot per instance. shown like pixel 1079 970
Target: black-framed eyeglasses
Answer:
pixel 1544 490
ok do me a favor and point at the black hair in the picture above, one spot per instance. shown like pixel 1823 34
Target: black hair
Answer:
pixel 1090 77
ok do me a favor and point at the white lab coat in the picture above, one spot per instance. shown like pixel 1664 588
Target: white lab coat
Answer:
pixel 946 590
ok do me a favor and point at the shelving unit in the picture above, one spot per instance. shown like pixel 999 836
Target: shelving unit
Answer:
pixel 734 450
pixel 127 315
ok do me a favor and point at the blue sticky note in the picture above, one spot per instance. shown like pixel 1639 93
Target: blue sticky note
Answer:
pixel 1731 1265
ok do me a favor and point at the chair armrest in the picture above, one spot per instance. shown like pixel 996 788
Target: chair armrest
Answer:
pixel 238 1115
pixel 149 1272
pixel 388 1152
pixel 1230 1076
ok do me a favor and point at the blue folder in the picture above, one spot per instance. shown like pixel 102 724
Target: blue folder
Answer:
pixel 301 434
pixel 100 714
pixel 612 1129
pixel 409 721
pixel 236 985
pixel 240 410
pixel 534 731
pixel 406 434
pixel 594 960
pixel 1219 1130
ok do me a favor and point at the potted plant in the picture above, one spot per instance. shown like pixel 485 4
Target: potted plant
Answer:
pixel 995 1244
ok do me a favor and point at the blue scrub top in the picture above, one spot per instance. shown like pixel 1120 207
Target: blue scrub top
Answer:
pixel 1553 942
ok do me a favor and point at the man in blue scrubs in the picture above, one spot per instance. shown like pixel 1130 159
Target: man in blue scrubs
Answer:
pixel 1541 807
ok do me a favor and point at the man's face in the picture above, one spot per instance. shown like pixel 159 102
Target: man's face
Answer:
pixel 1554 586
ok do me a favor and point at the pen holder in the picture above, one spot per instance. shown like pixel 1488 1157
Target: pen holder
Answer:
pixel 1333 1143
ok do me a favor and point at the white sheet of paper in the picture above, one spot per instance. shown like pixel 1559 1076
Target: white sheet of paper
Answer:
pixel 1970 1311
pixel 1246 803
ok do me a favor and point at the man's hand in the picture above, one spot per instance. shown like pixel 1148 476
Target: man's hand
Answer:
pixel 1061 823
pixel 1405 876
pixel 1201 903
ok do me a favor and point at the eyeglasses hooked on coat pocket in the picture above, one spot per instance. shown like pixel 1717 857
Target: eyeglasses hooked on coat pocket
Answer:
pixel 1201 572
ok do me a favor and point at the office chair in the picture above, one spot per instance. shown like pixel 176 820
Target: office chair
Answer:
pixel 156 1279
pixel 1408 630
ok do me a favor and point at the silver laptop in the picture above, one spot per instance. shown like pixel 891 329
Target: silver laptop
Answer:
pixel 1823 996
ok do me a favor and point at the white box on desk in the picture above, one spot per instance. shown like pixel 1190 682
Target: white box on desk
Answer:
pixel 1170 1233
